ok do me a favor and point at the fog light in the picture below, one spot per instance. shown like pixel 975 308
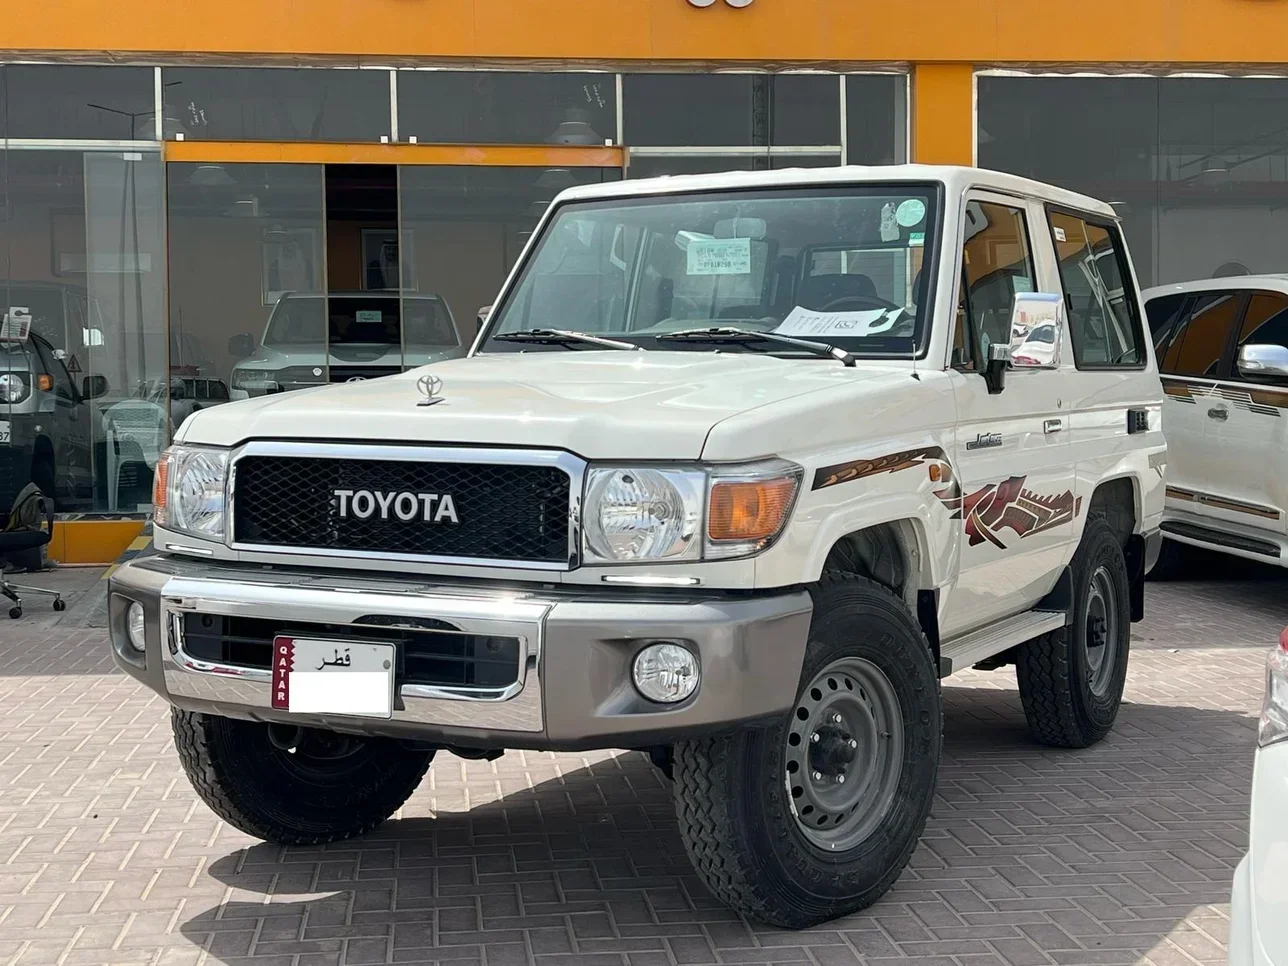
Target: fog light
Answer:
pixel 665 672
pixel 134 626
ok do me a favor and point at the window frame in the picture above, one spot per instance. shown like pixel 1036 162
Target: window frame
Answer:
pixel 1230 359
pixel 1021 207
pixel 1224 363
pixel 1126 273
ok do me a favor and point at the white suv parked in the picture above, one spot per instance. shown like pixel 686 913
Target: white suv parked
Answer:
pixel 739 467
pixel 1222 349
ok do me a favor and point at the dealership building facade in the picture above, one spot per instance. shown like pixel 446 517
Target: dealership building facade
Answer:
pixel 203 204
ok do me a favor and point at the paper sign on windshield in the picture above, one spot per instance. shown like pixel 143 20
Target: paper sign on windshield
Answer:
pixel 368 316
pixel 805 322
pixel 719 256
pixel 16 325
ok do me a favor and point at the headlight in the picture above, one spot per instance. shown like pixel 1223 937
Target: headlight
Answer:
pixel 643 513
pixel 188 491
pixel 13 388
pixel 252 380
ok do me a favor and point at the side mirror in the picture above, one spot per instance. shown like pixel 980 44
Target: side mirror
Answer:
pixel 1264 361
pixel 999 360
pixel 1037 330
pixel 92 387
pixel 240 346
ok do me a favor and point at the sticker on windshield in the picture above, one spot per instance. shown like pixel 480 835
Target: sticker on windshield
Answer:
pixel 368 316
pixel 16 325
pixel 805 322
pixel 911 212
pixel 1058 232
pixel 719 256
pixel 916 239
pixel 1020 283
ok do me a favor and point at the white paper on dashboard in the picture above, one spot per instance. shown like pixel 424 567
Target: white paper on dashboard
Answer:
pixel 806 322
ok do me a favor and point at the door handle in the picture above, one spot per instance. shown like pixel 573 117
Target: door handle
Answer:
pixel 1216 413
pixel 1052 426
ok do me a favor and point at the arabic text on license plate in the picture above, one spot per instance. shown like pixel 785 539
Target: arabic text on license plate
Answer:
pixel 333 677
pixel 4 431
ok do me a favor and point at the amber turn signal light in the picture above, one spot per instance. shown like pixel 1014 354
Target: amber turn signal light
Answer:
pixel 45 382
pixel 160 487
pixel 750 510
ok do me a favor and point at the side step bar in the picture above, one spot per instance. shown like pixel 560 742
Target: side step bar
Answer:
pixel 1217 538
pixel 969 649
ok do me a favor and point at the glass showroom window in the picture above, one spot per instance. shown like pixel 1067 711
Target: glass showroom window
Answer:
pixel 84 405
pixel 507 107
pixel 1195 167
pixel 276 103
pixel 701 123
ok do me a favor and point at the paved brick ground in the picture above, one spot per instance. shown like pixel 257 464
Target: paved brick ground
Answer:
pixel 1117 855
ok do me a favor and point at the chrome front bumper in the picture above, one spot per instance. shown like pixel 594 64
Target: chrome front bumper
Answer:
pixel 574 685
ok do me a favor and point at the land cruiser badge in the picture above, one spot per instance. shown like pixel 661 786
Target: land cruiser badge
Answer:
pixel 984 441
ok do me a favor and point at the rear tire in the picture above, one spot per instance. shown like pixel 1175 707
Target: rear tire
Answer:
pixel 331 787
pixel 1071 680
pixel 765 821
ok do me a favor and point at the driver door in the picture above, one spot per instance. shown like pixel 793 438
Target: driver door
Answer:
pixel 1016 503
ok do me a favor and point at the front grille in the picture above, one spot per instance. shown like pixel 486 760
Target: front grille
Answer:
pixel 502 512
pixel 438 657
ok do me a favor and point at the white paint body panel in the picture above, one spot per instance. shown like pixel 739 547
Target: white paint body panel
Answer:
pixel 733 406
pixel 1259 903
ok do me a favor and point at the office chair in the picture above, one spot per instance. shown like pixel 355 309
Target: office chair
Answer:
pixel 17 538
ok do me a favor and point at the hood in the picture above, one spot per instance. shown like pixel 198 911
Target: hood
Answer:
pixel 600 405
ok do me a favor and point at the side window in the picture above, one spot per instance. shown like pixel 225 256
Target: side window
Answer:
pixel 1196 340
pixel 1264 323
pixel 1163 313
pixel 1103 319
pixel 997 262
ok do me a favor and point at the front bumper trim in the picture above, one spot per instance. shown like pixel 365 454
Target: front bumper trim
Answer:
pixel 573 685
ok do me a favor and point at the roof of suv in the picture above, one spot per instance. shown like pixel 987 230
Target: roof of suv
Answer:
pixel 955 178
pixel 1277 283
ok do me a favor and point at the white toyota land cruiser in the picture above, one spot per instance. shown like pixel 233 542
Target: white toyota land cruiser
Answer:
pixel 738 469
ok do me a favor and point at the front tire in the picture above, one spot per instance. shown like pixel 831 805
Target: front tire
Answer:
pixel 1071 680
pixel 792 829
pixel 324 788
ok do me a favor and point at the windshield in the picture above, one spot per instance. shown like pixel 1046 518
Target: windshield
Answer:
pixel 361 320
pixel 840 264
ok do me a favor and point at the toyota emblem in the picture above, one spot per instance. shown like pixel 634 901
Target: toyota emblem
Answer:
pixel 430 387
pixel 356 379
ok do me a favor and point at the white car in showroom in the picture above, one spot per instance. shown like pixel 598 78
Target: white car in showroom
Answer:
pixel 1259 904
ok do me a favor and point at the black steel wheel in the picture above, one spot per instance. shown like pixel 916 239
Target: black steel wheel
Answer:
pixel 793 829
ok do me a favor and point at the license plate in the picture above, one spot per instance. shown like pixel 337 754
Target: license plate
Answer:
pixel 4 431
pixel 313 676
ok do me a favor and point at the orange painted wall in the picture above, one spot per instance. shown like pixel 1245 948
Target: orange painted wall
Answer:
pixel 1162 31
pixel 943 114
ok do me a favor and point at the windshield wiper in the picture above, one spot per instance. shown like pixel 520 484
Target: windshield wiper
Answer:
pixel 731 334
pixel 564 337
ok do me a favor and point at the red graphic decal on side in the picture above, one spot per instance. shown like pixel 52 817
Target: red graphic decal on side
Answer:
pixel 283 660
pixel 1008 505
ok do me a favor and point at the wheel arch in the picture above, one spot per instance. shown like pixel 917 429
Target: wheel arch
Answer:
pixel 1117 500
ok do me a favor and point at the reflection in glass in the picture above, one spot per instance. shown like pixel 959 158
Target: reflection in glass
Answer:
pixel 73 101
pixel 1194 167
pixel 731 109
pixel 276 103
pixel 876 126
pixel 466 227
pixel 836 261
pixel 507 107
pixel 654 165
pixel 243 238
pixel 83 353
